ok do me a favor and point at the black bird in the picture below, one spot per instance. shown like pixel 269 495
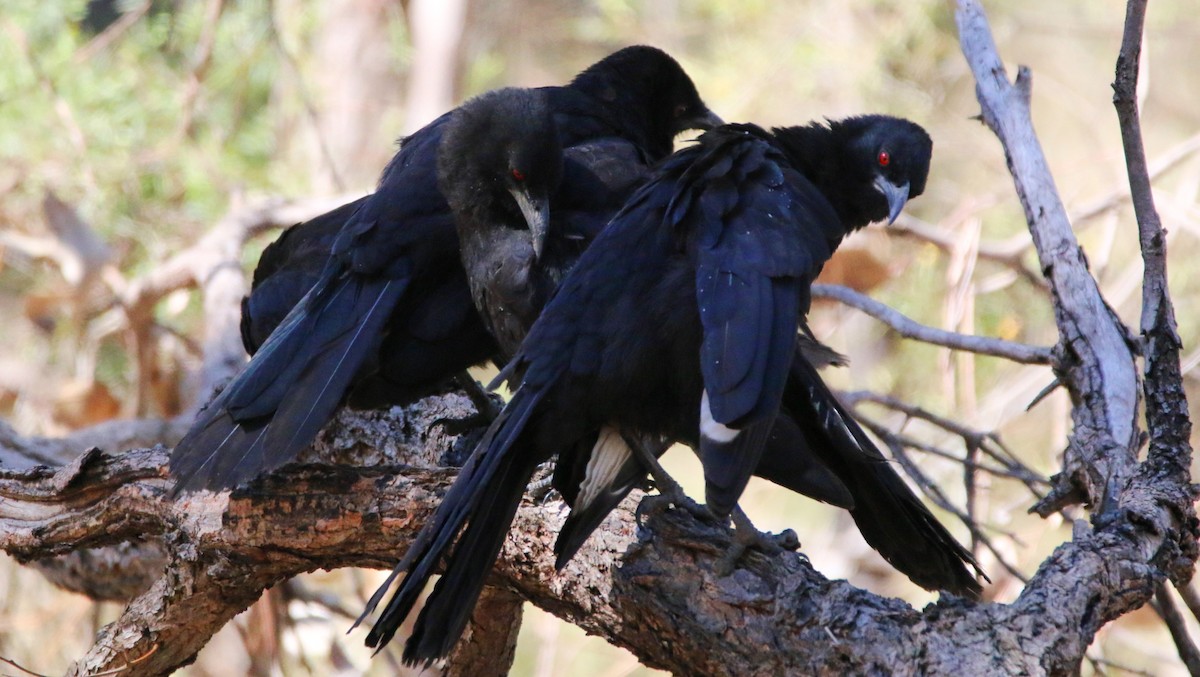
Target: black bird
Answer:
pixel 525 207
pixel 500 167
pixel 395 262
pixel 679 324
pixel 427 341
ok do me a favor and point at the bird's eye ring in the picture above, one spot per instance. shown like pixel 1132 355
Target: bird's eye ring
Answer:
pixel 518 174
pixel 884 158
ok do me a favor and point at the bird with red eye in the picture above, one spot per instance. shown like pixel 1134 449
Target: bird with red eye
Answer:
pixel 518 174
pixel 884 158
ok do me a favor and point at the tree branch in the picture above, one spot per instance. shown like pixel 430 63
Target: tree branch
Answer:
pixel 1093 357
pixel 1169 611
pixel 1166 406
pixel 1167 418
pixel 908 328
pixel 360 496
pixel 652 589
pixel 213 263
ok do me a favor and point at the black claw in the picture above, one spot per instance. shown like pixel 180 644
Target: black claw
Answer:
pixel 746 537
pixel 486 404
pixel 541 490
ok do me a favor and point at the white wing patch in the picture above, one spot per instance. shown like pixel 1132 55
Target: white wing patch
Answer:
pixel 717 432
pixel 608 455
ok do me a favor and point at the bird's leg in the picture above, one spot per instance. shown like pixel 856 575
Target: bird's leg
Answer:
pixel 670 493
pixel 541 485
pixel 484 402
pixel 471 427
pixel 746 536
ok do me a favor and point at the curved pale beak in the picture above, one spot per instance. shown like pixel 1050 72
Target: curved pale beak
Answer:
pixel 897 197
pixel 536 210
pixel 706 121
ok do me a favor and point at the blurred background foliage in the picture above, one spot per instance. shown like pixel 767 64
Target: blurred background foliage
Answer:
pixel 149 121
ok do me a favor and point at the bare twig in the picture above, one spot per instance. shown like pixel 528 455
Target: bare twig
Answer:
pixel 1017 352
pixel 1150 231
pixel 1190 598
pixel 130 664
pixel 20 667
pixel 1169 611
pixel 1172 158
pixel 987 442
pixel 1010 252
pixel 1166 402
pixel 934 493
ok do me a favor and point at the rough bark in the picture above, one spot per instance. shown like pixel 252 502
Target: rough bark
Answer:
pixel 489 643
pixel 650 589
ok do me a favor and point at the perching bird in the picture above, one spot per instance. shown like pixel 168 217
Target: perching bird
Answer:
pixel 679 323
pixel 396 263
pixel 525 207
pixel 427 342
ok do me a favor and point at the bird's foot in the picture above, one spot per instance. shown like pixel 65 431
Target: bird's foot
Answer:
pixel 541 486
pixel 746 536
pixel 669 491
pixel 665 500
pixel 487 407
pixel 487 404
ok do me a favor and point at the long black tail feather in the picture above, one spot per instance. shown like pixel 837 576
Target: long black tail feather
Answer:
pixel 889 515
pixel 484 498
pixel 276 406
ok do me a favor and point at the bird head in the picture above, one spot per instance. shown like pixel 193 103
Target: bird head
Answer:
pixel 889 154
pixel 534 171
pixel 868 167
pixel 648 95
pixel 500 161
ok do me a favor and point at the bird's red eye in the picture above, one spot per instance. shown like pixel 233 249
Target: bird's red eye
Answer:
pixel 518 174
pixel 884 158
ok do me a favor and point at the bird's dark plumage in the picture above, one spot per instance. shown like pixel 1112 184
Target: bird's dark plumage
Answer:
pixel 526 207
pixel 394 274
pixel 287 269
pixel 679 324
pixel 500 167
pixel 427 339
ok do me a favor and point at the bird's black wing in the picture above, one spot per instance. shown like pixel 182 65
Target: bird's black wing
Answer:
pixel 891 518
pixel 484 498
pixel 278 403
pixel 598 177
pixel 759 235
pixel 287 269
pixel 760 238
